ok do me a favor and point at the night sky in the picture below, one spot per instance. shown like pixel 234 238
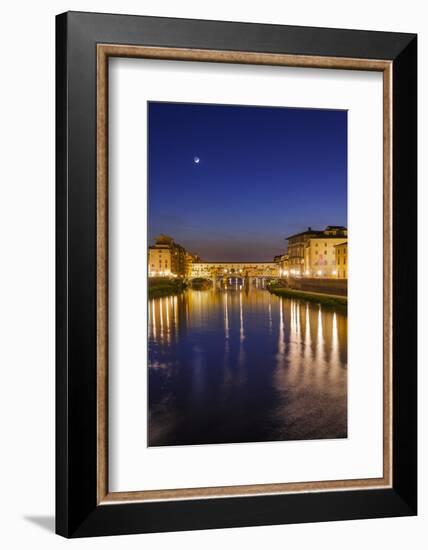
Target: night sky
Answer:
pixel 263 173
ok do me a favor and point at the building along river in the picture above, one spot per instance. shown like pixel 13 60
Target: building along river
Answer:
pixel 239 364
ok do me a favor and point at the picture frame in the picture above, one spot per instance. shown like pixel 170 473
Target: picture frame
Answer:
pixel 84 44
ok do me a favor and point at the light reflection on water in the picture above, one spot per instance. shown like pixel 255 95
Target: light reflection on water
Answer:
pixel 241 365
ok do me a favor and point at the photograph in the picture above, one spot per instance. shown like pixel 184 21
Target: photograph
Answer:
pixel 247 274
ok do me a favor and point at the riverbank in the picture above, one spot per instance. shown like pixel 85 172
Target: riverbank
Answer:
pixel 326 300
pixel 162 286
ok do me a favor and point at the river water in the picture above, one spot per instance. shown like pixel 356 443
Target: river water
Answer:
pixel 242 365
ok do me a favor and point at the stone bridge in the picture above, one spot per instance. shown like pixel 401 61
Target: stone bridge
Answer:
pixel 229 270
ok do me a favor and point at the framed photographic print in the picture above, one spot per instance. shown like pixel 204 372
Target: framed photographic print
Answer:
pixel 236 274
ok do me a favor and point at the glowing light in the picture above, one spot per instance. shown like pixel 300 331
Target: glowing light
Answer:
pixel 319 272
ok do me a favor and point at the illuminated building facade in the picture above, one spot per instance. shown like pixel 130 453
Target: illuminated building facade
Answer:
pixel 296 251
pixel 342 260
pixel 312 253
pixel 282 262
pixel 167 258
pixel 320 257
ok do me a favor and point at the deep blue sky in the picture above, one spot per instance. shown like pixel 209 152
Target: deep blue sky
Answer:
pixel 264 173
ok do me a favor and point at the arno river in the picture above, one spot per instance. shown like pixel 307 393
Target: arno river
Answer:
pixel 240 365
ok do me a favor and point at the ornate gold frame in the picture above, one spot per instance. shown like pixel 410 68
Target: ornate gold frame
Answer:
pixel 104 52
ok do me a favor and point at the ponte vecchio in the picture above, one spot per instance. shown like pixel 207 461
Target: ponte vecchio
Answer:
pixel 217 271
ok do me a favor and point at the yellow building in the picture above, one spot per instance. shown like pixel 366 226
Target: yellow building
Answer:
pixel 166 258
pixel 320 256
pixel 342 260
pixel 296 251
pixel 311 253
pixel 282 262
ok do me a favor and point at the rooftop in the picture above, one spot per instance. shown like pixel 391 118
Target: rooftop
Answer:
pixel 324 236
pixel 310 231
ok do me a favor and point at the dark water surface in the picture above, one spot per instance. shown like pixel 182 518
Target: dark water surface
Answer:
pixel 240 365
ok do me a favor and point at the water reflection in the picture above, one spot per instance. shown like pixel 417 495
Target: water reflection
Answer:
pixel 239 365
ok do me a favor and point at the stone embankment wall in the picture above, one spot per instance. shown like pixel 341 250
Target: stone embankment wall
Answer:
pixel 338 287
